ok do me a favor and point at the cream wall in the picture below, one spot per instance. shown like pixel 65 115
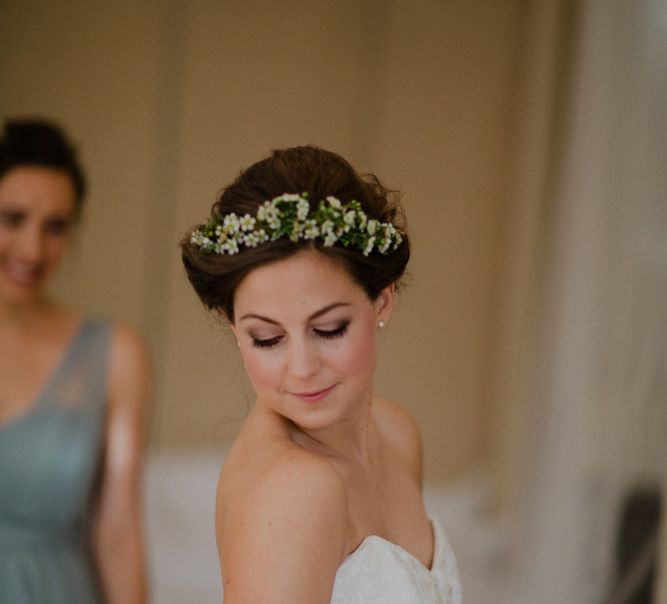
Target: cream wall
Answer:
pixel 93 66
pixel 168 100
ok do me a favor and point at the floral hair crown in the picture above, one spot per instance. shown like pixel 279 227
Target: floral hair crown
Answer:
pixel 290 215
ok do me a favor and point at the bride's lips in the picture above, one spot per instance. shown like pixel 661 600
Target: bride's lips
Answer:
pixel 313 397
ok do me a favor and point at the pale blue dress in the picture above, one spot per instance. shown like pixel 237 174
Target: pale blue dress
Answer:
pixel 49 461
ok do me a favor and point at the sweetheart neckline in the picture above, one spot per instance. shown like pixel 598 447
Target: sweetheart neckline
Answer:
pixel 400 549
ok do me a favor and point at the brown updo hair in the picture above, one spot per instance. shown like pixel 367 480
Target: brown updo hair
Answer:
pixel 319 173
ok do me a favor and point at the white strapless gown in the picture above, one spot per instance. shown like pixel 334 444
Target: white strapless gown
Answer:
pixel 381 572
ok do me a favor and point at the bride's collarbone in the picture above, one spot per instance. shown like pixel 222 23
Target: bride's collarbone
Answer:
pixel 380 506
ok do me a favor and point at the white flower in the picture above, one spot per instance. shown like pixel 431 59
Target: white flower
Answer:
pixel 327 227
pixel 371 226
pixel 297 229
pixel 302 209
pixel 247 223
pixel 262 236
pixel 271 213
pixel 231 246
pixel 349 217
pixel 363 219
pixel 288 197
pixel 334 202
pixel 330 239
pixel 251 240
pixel 231 220
pixel 230 225
pixel 385 245
pixel 369 246
pixel 310 230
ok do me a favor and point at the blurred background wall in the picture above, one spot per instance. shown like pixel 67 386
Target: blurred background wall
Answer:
pixel 169 100
pixel 528 139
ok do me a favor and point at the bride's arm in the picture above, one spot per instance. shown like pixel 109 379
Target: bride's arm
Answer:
pixel 282 537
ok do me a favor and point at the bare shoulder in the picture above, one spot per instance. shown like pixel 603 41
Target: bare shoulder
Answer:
pixel 128 349
pixel 129 362
pixel 401 431
pixel 281 527
pixel 285 472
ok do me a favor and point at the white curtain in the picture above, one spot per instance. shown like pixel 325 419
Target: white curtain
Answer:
pixel 598 400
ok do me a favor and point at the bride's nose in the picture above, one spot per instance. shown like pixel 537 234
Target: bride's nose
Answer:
pixel 303 359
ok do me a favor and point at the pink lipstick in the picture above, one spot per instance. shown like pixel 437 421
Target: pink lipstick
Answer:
pixel 313 397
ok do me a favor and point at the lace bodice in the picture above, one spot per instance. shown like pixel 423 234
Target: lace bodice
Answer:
pixel 381 572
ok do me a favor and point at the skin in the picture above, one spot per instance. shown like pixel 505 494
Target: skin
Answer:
pixel 321 462
pixel 36 222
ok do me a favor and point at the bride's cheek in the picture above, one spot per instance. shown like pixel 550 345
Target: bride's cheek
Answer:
pixel 262 372
pixel 358 356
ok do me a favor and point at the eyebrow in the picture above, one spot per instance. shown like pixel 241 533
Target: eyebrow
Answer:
pixel 315 315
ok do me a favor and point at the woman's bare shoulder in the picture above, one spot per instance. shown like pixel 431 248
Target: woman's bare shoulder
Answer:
pixel 129 352
pixel 281 526
pixel 254 467
pixel 130 369
pixel 400 430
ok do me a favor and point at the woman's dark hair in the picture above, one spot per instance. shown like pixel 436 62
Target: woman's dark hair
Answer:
pixel 37 142
pixel 319 173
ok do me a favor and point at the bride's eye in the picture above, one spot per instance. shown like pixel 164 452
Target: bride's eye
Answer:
pixel 333 333
pixel 266 342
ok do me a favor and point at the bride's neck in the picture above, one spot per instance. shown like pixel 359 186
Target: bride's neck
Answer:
pixel 349 441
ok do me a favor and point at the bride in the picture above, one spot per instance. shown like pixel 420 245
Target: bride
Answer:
pixel 320 497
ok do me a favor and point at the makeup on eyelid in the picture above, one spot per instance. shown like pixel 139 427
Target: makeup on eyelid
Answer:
pixel 328 334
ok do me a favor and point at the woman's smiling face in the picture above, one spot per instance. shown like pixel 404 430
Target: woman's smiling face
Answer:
pixel 36 216
pixel 306 332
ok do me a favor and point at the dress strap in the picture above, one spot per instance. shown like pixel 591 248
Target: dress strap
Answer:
pixel 81 381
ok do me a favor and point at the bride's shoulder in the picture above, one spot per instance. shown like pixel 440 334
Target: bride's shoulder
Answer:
pixel 264 457
pixel 278 513
pixel 401 432
pixel 278 466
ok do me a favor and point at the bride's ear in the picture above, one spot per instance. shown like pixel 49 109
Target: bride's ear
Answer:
pixel 232 328
pixel 384 303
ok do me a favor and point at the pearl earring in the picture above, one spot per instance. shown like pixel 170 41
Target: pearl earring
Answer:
pixel 381 324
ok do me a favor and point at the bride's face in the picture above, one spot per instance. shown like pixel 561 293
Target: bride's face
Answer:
pixel 306 332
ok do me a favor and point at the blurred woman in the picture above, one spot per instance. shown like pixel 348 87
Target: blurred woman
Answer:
pixel 73 392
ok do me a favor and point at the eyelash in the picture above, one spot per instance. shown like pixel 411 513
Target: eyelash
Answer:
pixel 338 332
